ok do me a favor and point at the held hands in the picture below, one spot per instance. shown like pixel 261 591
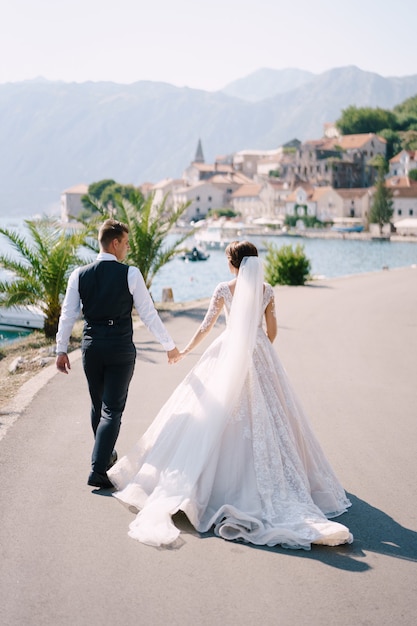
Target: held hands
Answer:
pixel 176 355
pixel 173 356
pixel 62 363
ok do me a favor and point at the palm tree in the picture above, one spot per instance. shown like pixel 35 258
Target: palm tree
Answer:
pixel 148 226
pixel 41 272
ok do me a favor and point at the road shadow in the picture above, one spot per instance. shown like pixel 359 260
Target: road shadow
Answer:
pixel 373 531
pixel 196 313
pixel 148 351
pixel 318 286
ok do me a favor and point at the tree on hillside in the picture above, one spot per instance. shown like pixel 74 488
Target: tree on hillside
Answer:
pixel 406 114
pixel 380 164
pixel 41 270
pixel 96 190
pixel 382 206
pixel 114 192
pixel 105 192
pixel 394 142
pixel 356 120
pixel 398 127
pixel 409 140
pixel 149 226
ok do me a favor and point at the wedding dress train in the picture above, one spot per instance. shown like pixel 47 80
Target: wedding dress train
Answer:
pixel 239 457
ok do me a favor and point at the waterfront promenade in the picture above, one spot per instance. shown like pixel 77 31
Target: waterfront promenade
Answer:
pixel 349 346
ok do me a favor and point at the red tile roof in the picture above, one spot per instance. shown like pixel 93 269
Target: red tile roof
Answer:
pixel 247 191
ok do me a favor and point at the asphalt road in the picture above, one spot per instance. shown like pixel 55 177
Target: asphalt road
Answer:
pixel 350 348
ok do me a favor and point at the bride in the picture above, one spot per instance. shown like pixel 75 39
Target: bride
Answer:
pixel 232 447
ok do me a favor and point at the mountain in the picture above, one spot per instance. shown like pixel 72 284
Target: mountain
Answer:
pixel 55 135
pixel 266 83
pixel 303 111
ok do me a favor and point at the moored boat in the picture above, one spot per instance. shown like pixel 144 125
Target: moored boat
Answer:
pixel 21 317
pixel 347 225
pixel 196 254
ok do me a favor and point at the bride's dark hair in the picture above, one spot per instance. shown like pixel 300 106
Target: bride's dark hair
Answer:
pixel 237 250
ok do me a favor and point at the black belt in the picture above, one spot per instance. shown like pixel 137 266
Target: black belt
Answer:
pixel 110 322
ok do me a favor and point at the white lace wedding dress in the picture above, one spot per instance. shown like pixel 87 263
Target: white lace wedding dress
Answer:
pixel 249 466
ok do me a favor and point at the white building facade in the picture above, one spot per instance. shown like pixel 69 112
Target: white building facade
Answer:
pixel 254 200
pixel 356 203
pixel 164 190
pixel 402 163
pixel 404 197
pixel 203 197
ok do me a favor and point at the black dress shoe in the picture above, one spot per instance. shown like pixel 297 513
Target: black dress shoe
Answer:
pixel 113 459
pixel 101 481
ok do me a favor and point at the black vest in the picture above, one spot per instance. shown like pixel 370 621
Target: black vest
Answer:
pixel 106 301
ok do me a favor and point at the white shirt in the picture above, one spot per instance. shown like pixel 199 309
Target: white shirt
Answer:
pixel 71 307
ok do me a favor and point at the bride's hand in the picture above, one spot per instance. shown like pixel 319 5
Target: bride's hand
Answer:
pixel 181 354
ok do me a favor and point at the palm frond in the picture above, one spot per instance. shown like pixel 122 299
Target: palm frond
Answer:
pixel 16 267
pixel 92 224
pixel 166 255
pixel 41 274
pixel 20 244
pixel 20 292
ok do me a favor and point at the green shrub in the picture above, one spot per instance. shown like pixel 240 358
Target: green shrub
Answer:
pixel 286 266
pixel 291 220
pixel 226 212
pixel 310 221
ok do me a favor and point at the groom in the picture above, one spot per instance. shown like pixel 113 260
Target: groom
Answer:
pixel 106 290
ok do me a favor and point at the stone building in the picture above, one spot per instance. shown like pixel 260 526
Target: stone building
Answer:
pixel 339 162
pixel 71 205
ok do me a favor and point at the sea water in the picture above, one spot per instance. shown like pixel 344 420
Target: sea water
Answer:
pixel 329 258
pixel 8 336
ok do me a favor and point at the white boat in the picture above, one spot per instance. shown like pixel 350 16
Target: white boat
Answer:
pixel 219 234
pixel 212 238
pixel 18 317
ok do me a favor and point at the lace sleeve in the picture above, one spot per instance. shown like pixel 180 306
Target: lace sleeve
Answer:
pixel 269 296
pixel 215 307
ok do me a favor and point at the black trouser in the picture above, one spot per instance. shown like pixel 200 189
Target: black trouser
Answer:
pixel 109 369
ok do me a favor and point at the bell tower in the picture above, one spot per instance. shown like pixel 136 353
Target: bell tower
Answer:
pixel 199 156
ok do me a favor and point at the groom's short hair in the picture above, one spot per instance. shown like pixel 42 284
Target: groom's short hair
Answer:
pixel 109 230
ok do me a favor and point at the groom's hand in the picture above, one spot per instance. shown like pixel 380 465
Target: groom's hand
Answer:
pixel 173 356
pixel 62 363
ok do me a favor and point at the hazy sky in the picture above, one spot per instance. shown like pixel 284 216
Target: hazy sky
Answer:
pixel 202 44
